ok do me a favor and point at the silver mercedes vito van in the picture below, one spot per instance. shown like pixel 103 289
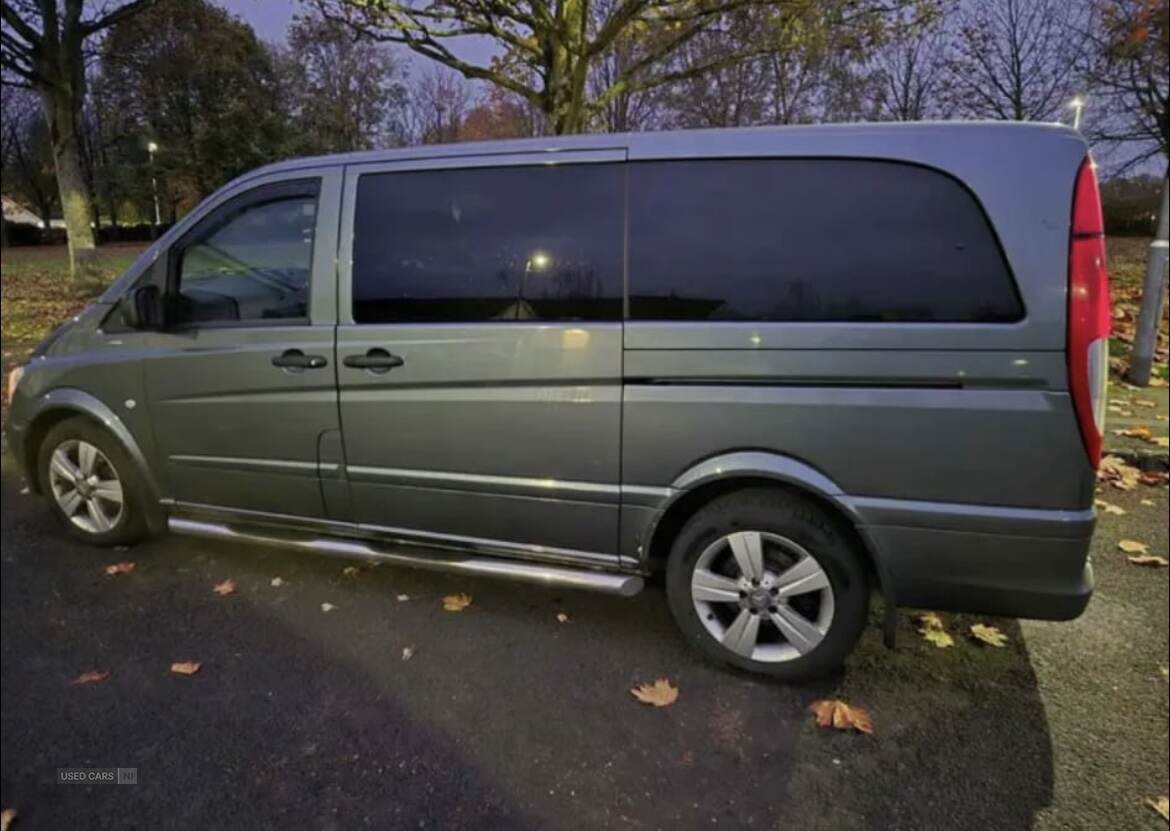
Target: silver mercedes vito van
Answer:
pixel 785 367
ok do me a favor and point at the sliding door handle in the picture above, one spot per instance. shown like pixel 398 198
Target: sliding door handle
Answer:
pixel 375 360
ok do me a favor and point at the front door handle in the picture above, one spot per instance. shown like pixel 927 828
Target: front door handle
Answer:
pixel 295 359
pixel 375 360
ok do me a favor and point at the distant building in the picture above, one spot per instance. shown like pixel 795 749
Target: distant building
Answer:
pixel 18 214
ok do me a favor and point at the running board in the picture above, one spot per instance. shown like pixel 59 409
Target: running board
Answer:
pixel 436 559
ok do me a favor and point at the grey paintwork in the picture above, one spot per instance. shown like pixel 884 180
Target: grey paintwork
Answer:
pixel 951 448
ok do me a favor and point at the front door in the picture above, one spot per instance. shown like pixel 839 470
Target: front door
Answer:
pixel 241 381
pixel 480 351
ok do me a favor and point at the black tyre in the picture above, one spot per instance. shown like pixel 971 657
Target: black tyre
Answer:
pixel 91 483
pixel 765 580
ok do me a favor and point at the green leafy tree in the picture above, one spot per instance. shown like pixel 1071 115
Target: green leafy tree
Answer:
pixel 196 81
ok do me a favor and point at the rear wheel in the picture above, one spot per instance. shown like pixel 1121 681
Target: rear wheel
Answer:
pixel 765 580
pixel 91 483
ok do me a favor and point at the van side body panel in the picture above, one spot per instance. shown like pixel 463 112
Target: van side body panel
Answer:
pixel 953 447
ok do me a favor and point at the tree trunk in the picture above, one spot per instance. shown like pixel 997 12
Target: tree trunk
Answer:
pixel 61 116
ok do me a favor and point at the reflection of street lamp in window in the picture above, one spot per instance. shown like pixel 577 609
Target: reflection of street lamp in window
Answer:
pixel 537 261
pixel 1077 105
pixel 152 148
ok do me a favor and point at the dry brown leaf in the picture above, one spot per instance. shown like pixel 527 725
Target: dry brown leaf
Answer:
pixel 1117 473
pixel 185 667
pixel 124 567
pixel 932 629
pixel 1161 807
pixel 1142 402
pixel 1154 477
pixel 562 617
pixel 1133 547
pixel 659 694
pixel 95 676
pixel 832 712
pixel 1134 433
pixel 1109 507
pixel 407 653
pixel 990 635
pixel 350 571
pixel 939 638
pixel 1149 503
pixel 402 598
pixel 456 602
pixel 327 607
pixel 1161 441
pixel 225 588
pixel 1151 560
pixel 7 817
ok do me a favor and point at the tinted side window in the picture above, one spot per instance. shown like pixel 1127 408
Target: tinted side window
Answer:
pixel 481 244
pixel 800 239
pixel 250 262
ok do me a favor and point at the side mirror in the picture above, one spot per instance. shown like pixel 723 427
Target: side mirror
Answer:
pixel 146 308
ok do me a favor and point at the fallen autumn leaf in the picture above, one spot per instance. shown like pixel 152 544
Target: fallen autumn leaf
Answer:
pixel 1151 560
pixel 832 712
pixel 95 676
pixel 456 602
pixel 932 629
pixel 562 617
pixel 1161 807
pixel 185 667
pixel 7 816
pixel 1133 547
pixel 1109 507
pixel 276 582
pixel 119 568
pixel 659 694
pixel 327 607
pixel 225 588
pixel 990 635
pixel 407 653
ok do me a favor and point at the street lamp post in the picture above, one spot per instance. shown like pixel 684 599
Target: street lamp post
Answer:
pixel 1078 105
pixel 151 148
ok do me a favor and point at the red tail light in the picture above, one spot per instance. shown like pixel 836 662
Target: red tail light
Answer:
pixel 1088 312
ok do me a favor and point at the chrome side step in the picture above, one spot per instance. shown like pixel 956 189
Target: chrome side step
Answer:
pixel 434 559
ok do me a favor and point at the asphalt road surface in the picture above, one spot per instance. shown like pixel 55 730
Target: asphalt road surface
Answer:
pixel 506 718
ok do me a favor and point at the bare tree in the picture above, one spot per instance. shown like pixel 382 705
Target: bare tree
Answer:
pixel 438 99
pixel 549 49
pixel 1014 60
pixel 343 90
pixel 28 164
pixel 42 43
pixel 910 71
pixel 1127 71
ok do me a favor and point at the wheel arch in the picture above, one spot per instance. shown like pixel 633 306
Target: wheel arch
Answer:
pixel 712 478
pixel 61 404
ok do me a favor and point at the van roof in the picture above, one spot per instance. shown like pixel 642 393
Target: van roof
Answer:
pixel 899 140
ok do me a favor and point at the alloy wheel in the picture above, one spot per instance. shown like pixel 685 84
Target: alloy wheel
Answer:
pixel 86 486
pixel 762 596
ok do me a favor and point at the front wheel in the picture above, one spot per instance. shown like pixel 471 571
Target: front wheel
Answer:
pixel 764 580
pixel 90 480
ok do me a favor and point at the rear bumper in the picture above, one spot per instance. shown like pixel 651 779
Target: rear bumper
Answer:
pixel 1009 562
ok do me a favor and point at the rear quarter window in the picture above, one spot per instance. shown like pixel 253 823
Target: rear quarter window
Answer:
pixel 811 240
